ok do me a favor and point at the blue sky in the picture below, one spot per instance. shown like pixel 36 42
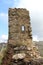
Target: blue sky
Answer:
pixel 4 6
pixel 36 14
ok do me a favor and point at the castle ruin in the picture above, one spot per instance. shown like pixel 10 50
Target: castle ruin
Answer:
pixel 20 48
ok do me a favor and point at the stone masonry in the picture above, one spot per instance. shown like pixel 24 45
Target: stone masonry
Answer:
pixel 20 48
pixel 17 19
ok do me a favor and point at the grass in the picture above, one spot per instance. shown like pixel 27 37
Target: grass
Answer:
pixel 2 54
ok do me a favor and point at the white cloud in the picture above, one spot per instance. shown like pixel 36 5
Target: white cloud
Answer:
pixel 31 4
pixel 3 14
pixel 35 8
pixel 4 38
pixel 35 38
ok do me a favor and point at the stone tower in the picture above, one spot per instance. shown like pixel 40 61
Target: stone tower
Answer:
pixel 20 49
pixel 20 31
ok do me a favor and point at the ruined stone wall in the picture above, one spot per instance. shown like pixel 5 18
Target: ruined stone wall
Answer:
pixel 17 19
pixel 20 49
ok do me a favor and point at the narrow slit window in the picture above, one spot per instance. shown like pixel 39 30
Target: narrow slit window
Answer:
pixel 23 28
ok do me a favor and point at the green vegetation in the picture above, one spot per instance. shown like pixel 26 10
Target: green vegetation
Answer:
pixel 2 53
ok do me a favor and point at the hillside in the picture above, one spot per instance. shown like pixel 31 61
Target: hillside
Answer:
pixel 2 45
pixel 40 47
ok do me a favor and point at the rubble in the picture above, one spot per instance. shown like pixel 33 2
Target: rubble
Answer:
pixel 19 56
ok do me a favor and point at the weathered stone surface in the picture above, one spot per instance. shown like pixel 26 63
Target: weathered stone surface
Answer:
pixel 19 56
pixel 17 19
